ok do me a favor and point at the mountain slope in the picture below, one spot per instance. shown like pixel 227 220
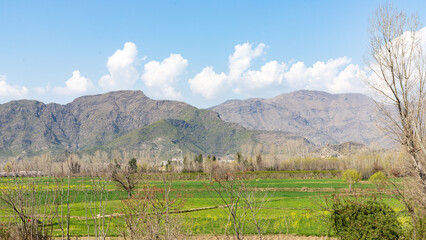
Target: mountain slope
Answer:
pixel 199 131
pixel 319 116
pixel 29 126
pixel 126 120
pixel 32 126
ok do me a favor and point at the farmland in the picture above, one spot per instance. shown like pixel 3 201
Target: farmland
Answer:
pixel 285 206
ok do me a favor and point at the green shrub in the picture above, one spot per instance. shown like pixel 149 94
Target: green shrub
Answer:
pixel 351 176
pixel 378 179
pixel 364 219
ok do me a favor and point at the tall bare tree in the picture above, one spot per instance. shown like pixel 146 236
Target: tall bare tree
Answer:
pixel 96 195
pixel 398 64
pixel 399 67
pixel 238 201
pixel 148 215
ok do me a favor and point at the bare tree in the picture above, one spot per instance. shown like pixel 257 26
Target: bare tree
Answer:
pixel 398 64
pixel 148 215
pixel 238 201
pixel 32 203
pixel 62 178
pixel 96 195
pixel 126 177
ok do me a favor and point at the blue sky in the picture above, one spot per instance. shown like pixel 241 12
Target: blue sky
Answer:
pixel 200 52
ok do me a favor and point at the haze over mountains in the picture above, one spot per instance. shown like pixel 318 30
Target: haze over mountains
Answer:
pixel 131 120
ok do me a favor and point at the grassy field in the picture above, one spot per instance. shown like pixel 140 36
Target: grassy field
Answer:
pixel 291 206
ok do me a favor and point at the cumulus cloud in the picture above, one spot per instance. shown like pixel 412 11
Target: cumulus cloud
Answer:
pixel 161 77
pixel 413 61
pixel 335 75
pixel 77 84
pixel 208 83
pixel 271 73
pixel 349 79
pixel 121 67
pixel 9 92
pixel 241 59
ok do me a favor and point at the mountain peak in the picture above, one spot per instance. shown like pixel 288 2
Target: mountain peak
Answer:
pixel 122 94
pixel 304 94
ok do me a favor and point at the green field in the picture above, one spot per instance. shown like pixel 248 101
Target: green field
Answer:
pixel 290 206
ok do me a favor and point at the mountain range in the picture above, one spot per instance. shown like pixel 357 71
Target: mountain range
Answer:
pixel 130 120
pixel 122 120
pixel 319 116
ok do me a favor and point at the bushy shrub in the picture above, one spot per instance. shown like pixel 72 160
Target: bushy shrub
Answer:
pixel 378 179
pixel 364 219
pixel 351 176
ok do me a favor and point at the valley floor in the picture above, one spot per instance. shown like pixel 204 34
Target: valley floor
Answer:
pixel 288 208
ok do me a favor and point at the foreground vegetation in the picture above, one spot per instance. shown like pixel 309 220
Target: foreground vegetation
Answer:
pixel 80 196
pixel 98 206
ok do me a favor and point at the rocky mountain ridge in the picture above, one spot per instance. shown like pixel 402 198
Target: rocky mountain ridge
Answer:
pixel 123 120
pixel 319 116
pixel 88 121
pixel 131 120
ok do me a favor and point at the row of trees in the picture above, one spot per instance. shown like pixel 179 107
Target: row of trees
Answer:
pixel 366 162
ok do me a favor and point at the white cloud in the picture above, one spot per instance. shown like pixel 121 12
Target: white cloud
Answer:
pixel 348 80
pixel 77 84
pixel 399 47
pixel 241 59
pixel 271 73
pixel 422 34
pixel 208 83
pixel 121 67
pixel 9 92
pixel 296 76
pixel 160 77
pixel 335 75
